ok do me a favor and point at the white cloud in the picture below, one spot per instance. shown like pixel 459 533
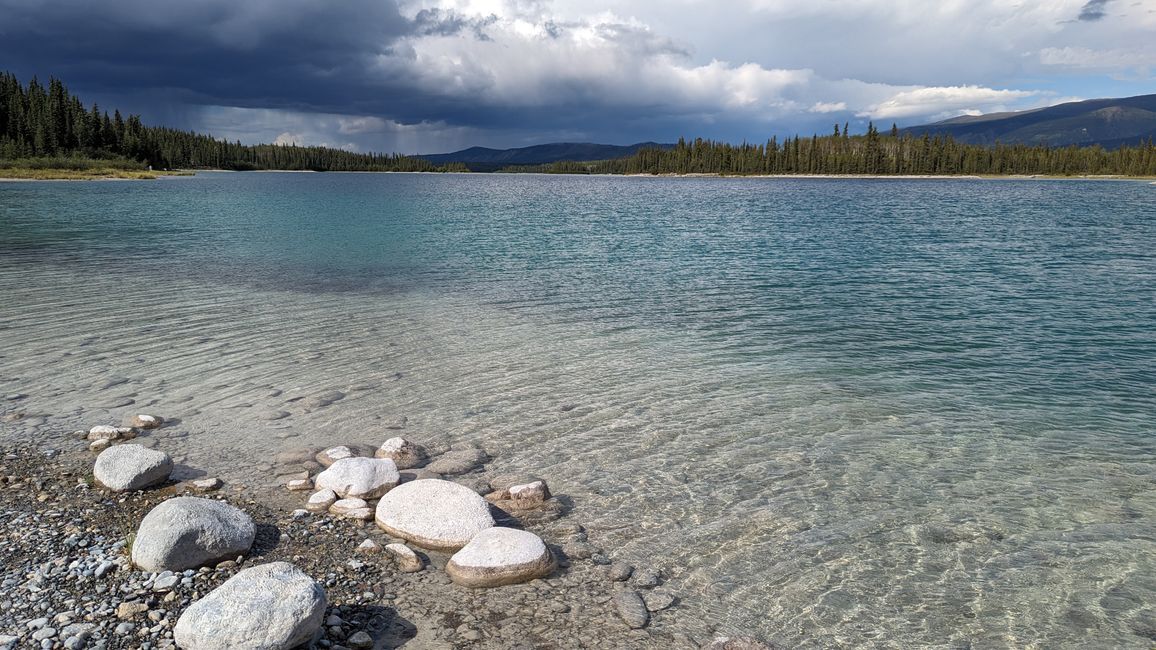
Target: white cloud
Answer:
pixel 828 107
pixel 945 102
pixel 1083 58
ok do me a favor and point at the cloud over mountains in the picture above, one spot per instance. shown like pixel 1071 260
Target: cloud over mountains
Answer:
pixel 422 75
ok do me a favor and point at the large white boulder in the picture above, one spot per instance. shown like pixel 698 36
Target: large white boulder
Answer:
pixel 267 607
pixel 131 467
pixel 500 556
pixel 359 478
pixel 434 514
pixel 189 532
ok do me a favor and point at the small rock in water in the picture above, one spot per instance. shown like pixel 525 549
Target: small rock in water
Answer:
pixel 207 484
pixel 363 478
pixel 658 600
pixel 535 492
pixel 146 421
pixel 404 454
pixel 632 609
pixel 321 500
pixel 578 550
pixel 619 572
pixel 407 560
pixel 12 397
pixel 299 485
pixel 334 454
pixel 457 462
pixel 272 415
pixel 646 578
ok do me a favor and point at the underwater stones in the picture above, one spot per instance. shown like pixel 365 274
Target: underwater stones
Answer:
pixel 131 467
pixel 631 609
pixel 433 514
pixel 188 532
pixel 334 454
pixel 273 606
pixel 500 556
pixel 299 484
pixel 146 421
pixel 458 461
pixel 619 571
pixel 362 478
pixel 404 453
pixel 207 484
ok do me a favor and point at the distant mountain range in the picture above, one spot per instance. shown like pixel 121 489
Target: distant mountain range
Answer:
pixel 483 159
pixel 1110 123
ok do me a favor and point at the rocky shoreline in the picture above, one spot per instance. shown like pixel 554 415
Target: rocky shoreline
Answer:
pixel 68 581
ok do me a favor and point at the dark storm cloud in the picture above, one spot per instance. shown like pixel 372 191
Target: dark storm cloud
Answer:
pixel 253 53
pixel 1093 10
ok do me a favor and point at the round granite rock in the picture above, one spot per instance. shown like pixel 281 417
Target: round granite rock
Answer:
pixel 189 532
pixel 434 514
pixel 131 467
pixel 359 478
pixel 500 556
pixel 268 607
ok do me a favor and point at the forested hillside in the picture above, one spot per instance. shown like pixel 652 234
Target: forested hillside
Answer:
pixel 38 122
pixel 873 153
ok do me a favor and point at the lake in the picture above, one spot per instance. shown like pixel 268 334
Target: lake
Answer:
pixel 835 413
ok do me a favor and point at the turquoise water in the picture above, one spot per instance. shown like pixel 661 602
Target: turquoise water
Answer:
pixel 835 412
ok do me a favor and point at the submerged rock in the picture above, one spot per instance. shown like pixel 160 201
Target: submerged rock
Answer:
pixel 434 514
pixel 131 467
pixel 500 556
pixel 632 609
pixel 334 454
pixel 146 421
pixel 189 532
pixel 404 454
pixel 458 461
pixel 362 478
pixel 273 606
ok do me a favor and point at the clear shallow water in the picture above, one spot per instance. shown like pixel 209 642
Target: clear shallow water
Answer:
pixel 836 413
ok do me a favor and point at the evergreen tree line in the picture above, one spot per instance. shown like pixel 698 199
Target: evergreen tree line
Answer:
pixel 50 123
pixel 872 153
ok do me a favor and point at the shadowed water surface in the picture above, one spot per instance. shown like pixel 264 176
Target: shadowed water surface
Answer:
pixel 834 412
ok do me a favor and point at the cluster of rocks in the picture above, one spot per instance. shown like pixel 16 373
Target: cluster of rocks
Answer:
pixel 430 512
pixel 194 585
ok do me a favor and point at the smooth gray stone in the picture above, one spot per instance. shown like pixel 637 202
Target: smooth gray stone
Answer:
pixel 131 467
pixel 189 532
pixel 632 609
